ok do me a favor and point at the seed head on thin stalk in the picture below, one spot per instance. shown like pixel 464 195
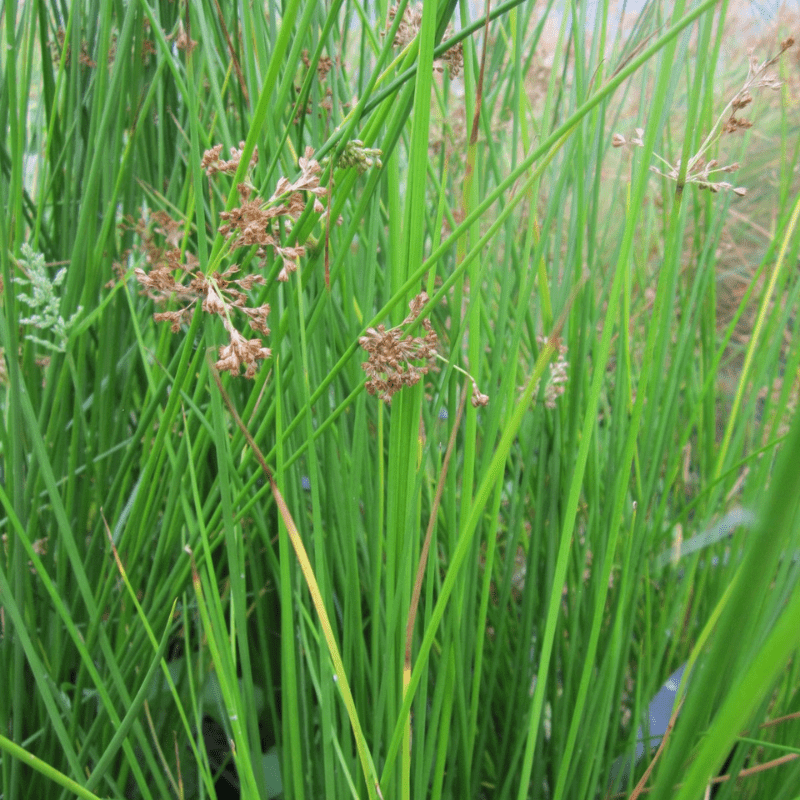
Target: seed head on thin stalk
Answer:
pixel 703 172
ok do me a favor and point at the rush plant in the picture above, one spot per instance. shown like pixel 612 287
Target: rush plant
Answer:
pixel 268 549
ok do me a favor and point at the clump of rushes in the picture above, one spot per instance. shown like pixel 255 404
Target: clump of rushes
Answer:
pixel 174 272
pixel 409 27
pixel 698 170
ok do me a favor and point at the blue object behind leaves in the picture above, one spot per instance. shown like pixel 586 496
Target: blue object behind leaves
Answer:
pixel 658 712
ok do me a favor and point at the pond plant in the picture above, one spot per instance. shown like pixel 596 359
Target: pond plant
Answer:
pixel 394 398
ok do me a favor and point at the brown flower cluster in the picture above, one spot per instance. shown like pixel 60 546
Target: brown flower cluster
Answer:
pixel 409 27
pixel 390 353
pixel 60 44
pixel 183 41
pixel 39 546
pixel 218 294
pixel 453 58
pixel 324 65
pixel 699 170
pixel 758 77
pixel 253 222
pixel 212 164
pixel 174 273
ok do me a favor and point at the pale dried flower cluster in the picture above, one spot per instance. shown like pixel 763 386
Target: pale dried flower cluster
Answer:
pixel 700 172
pixel 389 364
pixel 254 223
pixel 212 164
pixel 453 58
pixel 703 172
pixel 618 140
pixel 556 381
pixel 555 386
pixel 39 546
pixel 183 41
pixel 409 27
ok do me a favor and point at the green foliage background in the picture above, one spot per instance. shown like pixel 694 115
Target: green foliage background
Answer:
pixel 158 636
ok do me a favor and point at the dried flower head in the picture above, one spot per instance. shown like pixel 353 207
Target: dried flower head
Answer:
pixel 254 221
pixel 555 382
pixel 60 45
pixel 288 192
pixel 39 546
pixel 699 171
pixel 240 351
pixel 478 397
pixel 409 26
pixel 390 352
pixel 408 29
pixel 324 65
pixel 183 41
pixel 454 56
pixel 212 165
pixel 618 140
pixel 219 294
